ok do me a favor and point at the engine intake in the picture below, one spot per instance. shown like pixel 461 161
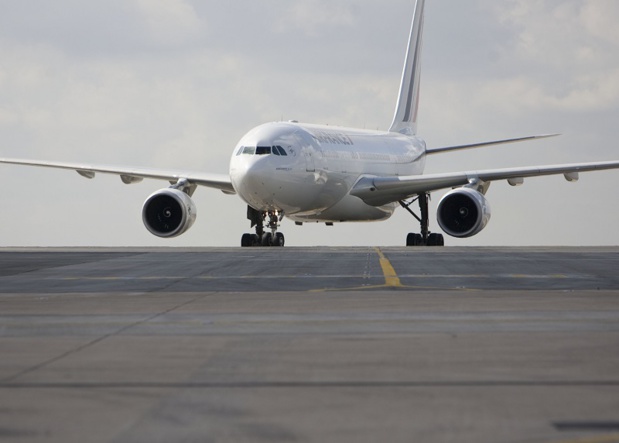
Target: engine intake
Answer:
pixel 463 212
pixel 168 213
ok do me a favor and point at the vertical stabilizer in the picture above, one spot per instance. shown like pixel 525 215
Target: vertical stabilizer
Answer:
pixel 405 118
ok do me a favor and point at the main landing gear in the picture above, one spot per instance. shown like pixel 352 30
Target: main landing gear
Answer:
pixel 425 238
pixel 270 237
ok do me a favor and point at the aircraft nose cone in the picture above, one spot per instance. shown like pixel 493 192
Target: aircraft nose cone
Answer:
pixel 251 181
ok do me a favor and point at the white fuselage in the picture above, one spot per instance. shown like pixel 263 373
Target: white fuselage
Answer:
pixel 307 171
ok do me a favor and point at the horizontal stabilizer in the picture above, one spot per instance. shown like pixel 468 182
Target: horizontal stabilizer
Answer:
pixel 491 143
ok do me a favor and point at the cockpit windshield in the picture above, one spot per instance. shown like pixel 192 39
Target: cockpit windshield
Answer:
pixel 261 150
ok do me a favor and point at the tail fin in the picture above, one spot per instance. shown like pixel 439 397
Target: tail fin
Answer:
pixel 405 118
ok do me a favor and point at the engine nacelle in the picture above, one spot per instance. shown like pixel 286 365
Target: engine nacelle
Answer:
pixel 463 212
pixel 168 213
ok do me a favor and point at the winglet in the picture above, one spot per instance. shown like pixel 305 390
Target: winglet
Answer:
pixel 405 118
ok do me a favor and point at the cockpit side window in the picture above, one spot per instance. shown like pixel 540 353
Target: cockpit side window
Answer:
pixel 263 150
pixel 240 151
pixel 279 150
pixel 249 150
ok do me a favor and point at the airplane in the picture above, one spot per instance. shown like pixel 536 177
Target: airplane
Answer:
pixel 330 174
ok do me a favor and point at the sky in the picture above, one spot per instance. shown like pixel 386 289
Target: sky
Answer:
pixel 176 83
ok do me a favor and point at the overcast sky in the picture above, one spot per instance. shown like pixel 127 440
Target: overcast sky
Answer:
pixel 176 83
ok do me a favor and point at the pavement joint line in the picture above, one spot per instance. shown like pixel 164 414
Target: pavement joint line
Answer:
pixel 610 438
pixel 386 286
pixel 52 360
pixel 292 384
pixel 365 276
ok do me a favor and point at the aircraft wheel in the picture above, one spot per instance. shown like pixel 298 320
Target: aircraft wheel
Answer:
pixel 279 239
pixel 267 239
pixel 436 240
pixel 410 239
pixel 247 240
pixel 440 240
pixel 413 239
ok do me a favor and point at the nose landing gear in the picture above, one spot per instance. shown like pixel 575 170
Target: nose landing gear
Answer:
pixel 425 238
pixel 262 237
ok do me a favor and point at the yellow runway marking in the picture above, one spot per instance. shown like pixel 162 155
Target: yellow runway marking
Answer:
pixel 391 278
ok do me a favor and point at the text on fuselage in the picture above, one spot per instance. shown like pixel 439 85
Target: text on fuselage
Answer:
pixel 334 138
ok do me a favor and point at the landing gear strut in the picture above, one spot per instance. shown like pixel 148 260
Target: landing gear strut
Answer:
pixel 425 238
pixel 262 237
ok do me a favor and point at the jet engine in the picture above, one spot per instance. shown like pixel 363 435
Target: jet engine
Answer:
pixel 168 213
pixel 463 212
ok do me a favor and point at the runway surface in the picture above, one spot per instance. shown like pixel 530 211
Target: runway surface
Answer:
pixel 310 345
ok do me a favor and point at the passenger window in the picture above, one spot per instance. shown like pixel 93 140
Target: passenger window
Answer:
pixel 263 150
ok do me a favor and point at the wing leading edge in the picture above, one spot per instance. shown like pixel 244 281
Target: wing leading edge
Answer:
pixel 377 191
pixel 133 175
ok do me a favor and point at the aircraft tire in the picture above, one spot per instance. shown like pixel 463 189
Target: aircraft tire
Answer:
pixel 279 239
pixel 267 239
pixel 247 240
pixel 436 240
pixel 413 239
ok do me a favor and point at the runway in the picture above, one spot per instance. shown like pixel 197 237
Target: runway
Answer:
pixel 310 344
pixel 306 269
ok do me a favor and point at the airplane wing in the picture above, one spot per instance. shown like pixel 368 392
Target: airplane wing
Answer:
pixel 377 191
pixel 133 175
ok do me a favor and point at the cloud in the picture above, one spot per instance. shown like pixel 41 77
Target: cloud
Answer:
pixel 600 20
pixel 312 16
pixel 584 93
pixel 169 22
pixel 177 84
pixel 559 58
pixel 109 28
pixel 581 34
pixel 113 112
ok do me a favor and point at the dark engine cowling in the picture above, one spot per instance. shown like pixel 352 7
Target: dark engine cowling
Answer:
pixel 168 213
pixel 463 212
